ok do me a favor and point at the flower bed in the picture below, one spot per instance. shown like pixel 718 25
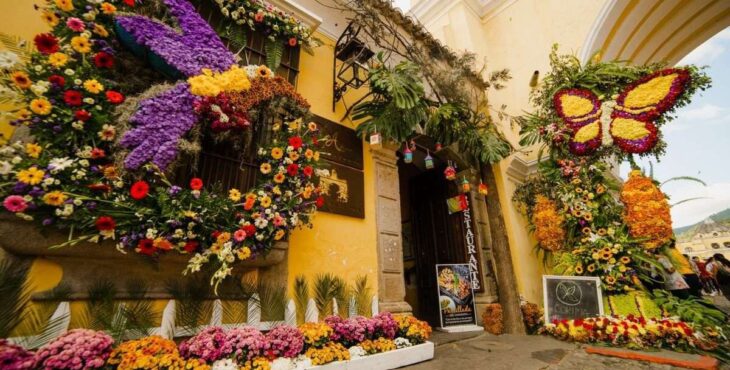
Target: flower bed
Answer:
pixel 284 347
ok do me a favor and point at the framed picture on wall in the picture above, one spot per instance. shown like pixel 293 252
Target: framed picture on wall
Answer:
pixel 343 190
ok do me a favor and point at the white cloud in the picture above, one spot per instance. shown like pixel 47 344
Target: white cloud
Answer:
pixel 703 112
pixel 717 199
pixel 706 53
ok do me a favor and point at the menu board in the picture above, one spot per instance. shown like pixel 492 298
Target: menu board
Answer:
pixel 456 295
pixel 571 297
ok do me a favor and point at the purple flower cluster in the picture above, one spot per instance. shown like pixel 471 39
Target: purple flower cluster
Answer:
pixel 78 349
pixel 347 331
pixel 196 48
pixel 284 341
pixel 209 345
pixel 246 343
pixel 385 325
pixel 14 357
pixel 160 122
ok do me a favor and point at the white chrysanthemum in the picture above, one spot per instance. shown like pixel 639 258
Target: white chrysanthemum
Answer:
pixel 8 59
pixel 356 352
pixel 226 364
pixel 402 343
pixel 5 167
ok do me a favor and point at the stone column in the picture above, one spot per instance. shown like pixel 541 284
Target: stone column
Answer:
pixel 391 286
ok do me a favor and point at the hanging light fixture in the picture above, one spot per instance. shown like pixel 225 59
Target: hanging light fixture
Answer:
pixel 376 141
pixel 428 161
pixel 465 186
pixel 407 154
pixel 350 68
pixel 483 189
pixel 450 172
pixel 438 146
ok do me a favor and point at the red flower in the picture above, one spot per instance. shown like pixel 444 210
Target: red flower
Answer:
pixel 146 247
pixel 293 42
pixel 72 98
pixel 249 229
pixel 97 153
pixel 196 183
pixel 292 169
pixel 57 80
pixel 46 43
pixel 248 205
pixel 129 2
pixel 103 60
pixel 82 115
pixel 295 142
pixel 308 171
pixel 319 202
pixel 105 223
pixel 114 97
pixel 191 246
pixel 139 190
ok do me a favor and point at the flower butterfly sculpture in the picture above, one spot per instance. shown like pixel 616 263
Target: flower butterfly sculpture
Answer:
pixel 627 121
pixel 196 53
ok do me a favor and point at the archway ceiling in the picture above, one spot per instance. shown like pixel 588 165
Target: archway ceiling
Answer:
pixel 643 31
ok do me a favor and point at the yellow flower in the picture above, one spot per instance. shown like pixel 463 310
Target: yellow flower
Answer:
pixel 33 150
pixel 579 269
pixel 234 195
pixel 107 8
pixel 50 18
pixel 625 260
pixel 223 237
pixel 591 268
pixel 265 168
pixel 21 79
pixel 308 154
pixel 40 106
pixel 279 178
pixel 279 234
pixel 316 156
pixel 243 253
pixel 312 126
pixel 23 113
pixel 54 198
pixel 276 190
pixel 277 153
pixel 293 156
pixel 93 86
pixel 31 176
pixel 100 30
pixel 65 5
pixel 211 83
pixel 81 44
pixel 58 59
pixel 263 71
pixel 265 201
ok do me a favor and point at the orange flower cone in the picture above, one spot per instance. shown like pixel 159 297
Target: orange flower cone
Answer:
pixel 646 211
pixel 548 223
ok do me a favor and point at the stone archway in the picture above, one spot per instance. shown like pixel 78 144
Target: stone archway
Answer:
pixel 642 31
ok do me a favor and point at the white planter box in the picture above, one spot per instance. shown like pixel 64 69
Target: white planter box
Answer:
pixel 386 360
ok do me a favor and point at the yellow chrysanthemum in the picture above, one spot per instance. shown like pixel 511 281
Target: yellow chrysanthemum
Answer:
pixel 65 5
pixel 211 83
pixel 50 18
pixel 100 30
pixel 41 106
pixel 293 155
pixel 93 86
pixel 234 195
pixel 31 176
pixel 548 223
pixel 265 201
pixel 33 150
pixel 58 60
pixel 81 44
pixel 21 79
pixel 54 198
pixel 277 153
pixel 108 8
pixel 646 211
pixel 243 253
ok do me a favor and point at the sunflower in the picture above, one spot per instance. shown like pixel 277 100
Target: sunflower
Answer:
pixel 58 60
pixel 279 178
pixel 586 230
pixel 625 260
pixel 33 150
pixel 601 231
pixel 93 86
pixel 265 168
pixel 65 5
pixel 81 44
pixel 591 268
pixel 41 106
pixel 578 269
pixel 606 255
pixel 21 79
pixel 50 18
pixel 579 190
pixel 31 176
pixel 600 189
pixel 577 213
pixel 100 30
pixel 263 71
pixel 277 153
pixel 588 217
pixel 108 8
pixel 610 280
pixel 54 198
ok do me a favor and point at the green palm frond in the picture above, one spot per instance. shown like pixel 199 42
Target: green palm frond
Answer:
pixel 237 298
pixel 686 200
pixel 192 295
pixel 14 296
pixel 272 301
pixel 363 296
pixel 274 51
pixel 684 178
pixel 342 296
pixel 326 288
pixel 301 297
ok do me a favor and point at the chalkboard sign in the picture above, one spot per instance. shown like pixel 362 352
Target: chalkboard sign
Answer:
pixel 571 297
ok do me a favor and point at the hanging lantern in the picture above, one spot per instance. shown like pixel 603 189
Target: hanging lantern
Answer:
pixel 483 189
pixel 450 172
pixel 465 185
pixel 376 141
pixel 438 146
pixel 428 161
pixel 407 154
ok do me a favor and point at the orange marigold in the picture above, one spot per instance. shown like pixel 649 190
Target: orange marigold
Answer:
pixel 646 211
pixel 548 224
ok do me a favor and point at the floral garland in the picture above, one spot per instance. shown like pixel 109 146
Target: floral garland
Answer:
pixel 71 175
pixel 276 23
pixel 646 211
pixel 548 223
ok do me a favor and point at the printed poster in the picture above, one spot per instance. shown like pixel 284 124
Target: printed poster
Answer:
pixel 456 295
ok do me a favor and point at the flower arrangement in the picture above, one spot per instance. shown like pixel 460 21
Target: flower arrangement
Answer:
pixel 548 223
pixel 14 357
pixel 246 343
pixel 532 315
pixel 316 334
pixel 71 175
pixel 385 325
pixel 209 345
pixel 283 341
pixel 329 352
pixel 372 346
pixel 152 352
pixel 75 350
pixel 646 211
pixel 411 328
pixel 347 331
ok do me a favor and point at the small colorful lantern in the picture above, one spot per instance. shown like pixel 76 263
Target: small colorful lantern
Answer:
pixel 483 189
pixel 438 146
pixel 450 172
pixel 465 186
pixel 376 141
pixel 428 161
pixel 407 154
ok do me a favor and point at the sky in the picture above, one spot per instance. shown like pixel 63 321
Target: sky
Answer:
pixel 698 140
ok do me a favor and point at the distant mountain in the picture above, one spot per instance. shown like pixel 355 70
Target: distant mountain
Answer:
pixel 721 217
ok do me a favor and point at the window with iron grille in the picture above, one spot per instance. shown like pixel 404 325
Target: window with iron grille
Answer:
pixel 232 163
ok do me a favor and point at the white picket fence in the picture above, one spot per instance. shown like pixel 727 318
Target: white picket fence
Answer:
pixel 169 329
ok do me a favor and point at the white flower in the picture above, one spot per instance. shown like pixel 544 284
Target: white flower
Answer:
pixel 226 364
pixel 84 163
pixel 78 125
pixel 402 342
pixel 282 363
pixel 151 233
pixel 78 202
pixel 5 167
pixel 39 88
pixel 89 101
pixel 16 160
pixel 48 181
pixel 261 222
pixel 8 59
pixel 259 237
pixel 78 81
pixel 69 72
pixel 356 352
pixel 38 68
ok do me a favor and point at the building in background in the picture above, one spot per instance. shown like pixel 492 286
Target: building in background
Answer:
pixel 708 238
